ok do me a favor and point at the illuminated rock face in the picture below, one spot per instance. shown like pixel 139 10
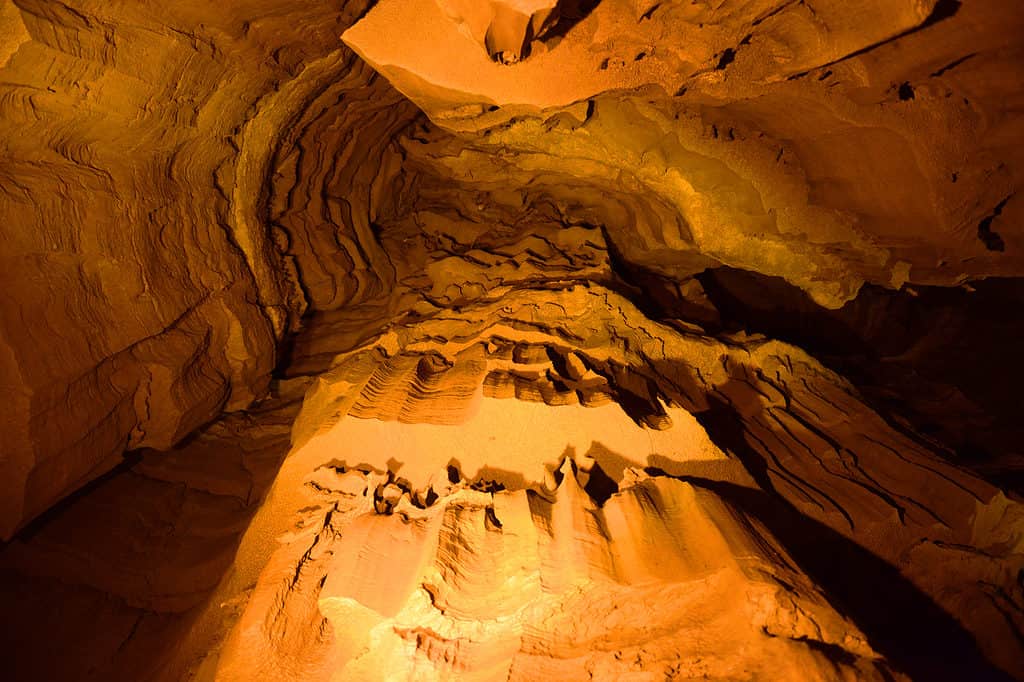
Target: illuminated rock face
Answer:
pixel 449 340
pixel 416 552
pixel 504 28
pixel 829 145
pixel 523 585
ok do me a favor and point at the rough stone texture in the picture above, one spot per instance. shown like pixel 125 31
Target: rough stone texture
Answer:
pixel 778 137
pixel 135 143
pixel 116 581
pixel 521 585
pixel 632 340
pixel 805 457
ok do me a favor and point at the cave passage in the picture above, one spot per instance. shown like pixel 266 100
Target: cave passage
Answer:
pixel 511 340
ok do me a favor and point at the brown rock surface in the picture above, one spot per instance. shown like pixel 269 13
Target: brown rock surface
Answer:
pixel 511 340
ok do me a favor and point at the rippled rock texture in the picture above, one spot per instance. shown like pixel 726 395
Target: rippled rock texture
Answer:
pixel 511 340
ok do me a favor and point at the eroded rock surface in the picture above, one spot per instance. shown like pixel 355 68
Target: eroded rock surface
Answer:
pixel 521 585
pixel 777 435
pixel 793 140
pixel 446 340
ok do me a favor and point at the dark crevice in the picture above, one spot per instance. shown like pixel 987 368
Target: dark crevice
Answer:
pixel 649 13
pixel 728 57
pixel 599 485
pixel 992 240
pixel 570 13
pixel 952 65
pixel 895 346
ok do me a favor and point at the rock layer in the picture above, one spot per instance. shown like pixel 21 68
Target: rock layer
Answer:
pixel 136 148
pixel 519 585
pixel 632 340
pixel 800 444
pixel 775 137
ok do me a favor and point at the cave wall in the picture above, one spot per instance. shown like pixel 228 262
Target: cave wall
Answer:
pixel 143 292
pixel 402 568
pixel 145 253
pixel 203 205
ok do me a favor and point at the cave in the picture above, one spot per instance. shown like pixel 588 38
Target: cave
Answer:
pixel 385 340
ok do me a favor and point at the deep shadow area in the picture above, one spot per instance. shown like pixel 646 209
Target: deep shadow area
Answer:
pixel 942 362
pixel 900 621
pixel 108 584
pixel 66 505
pixel 570 13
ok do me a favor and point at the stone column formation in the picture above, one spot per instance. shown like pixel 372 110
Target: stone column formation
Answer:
pixel 511 340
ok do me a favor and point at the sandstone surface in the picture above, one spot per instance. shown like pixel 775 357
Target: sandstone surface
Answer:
pixel 511 340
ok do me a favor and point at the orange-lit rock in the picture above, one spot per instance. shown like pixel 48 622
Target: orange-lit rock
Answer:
pixel 774 137
pixel 504 28
pixel 516 339
pixel 522 585
pixel 800 445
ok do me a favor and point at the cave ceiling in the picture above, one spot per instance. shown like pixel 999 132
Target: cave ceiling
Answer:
pixel 512 339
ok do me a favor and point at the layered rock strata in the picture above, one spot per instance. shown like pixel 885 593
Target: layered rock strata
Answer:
pixel 776 435
pixel 511 340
